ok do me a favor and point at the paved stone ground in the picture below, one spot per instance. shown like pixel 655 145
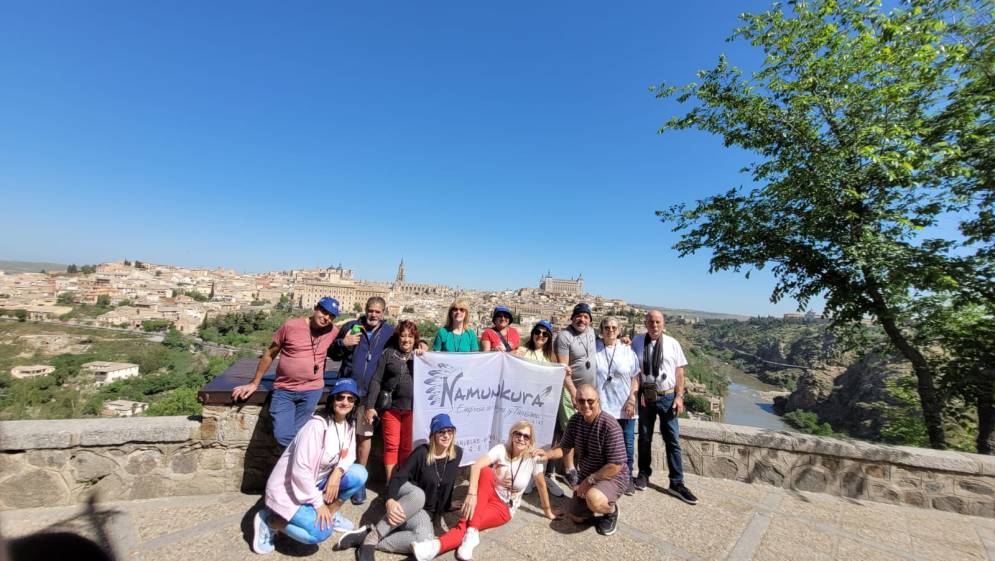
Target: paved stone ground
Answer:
pixel 734 521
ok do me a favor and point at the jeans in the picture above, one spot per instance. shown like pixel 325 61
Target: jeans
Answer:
pixel 290 410
pixel 669 429
pixel 303 527
pixel 417 525
pixel 629 434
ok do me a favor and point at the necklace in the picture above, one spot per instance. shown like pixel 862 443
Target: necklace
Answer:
pixel 514 477
pixel 611 361
pixel 438 475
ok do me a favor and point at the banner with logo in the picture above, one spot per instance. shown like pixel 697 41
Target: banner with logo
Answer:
pixel 485 394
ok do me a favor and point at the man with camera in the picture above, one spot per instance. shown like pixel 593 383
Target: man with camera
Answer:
pixel 661 380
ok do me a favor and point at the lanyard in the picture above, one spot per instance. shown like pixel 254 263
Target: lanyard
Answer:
pixel 611 361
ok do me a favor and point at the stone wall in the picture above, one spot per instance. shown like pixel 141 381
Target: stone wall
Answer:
pixel 47 463
pixel 925 478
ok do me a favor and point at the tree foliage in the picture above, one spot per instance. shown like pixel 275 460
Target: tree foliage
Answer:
pixel 855 120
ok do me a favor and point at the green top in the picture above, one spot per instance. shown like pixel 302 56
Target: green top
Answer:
pixel 447 342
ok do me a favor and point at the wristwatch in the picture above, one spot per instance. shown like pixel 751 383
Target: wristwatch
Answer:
pixel 591 480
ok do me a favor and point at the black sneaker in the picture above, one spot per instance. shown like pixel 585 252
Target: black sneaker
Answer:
pixel 607 524
pixel 352 538
pixel 366 553
pixel 631 489
pixel 683 493
pixel 573 478
pixel 640 482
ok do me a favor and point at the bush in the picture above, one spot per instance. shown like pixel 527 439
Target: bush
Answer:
pixel 156 325
pixel 807 421
pixel 697 403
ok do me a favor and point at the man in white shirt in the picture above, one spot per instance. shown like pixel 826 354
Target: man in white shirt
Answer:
pixel 661 379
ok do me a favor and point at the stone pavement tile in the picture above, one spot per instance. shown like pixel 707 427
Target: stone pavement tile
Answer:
pixel 936 550
pixel 865 514
pixel 816 508
pixel 152 523
pixel 789 552
pixel 708 488
pixel 708 531
pixel 852 550
pixel 788 533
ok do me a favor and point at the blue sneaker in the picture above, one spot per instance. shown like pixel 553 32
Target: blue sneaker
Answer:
pixel 341 523
pixel 360 497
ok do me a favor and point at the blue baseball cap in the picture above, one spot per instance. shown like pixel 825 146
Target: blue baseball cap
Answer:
pixel 543 323
pixel 330 305
pixel 345 385
pixel 502 310
pixel 441 421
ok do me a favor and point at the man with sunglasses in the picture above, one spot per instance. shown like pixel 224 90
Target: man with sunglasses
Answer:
pixel 596 439
pixel 301 344
pixel 358 345
pixel 576 347
pixel 662 365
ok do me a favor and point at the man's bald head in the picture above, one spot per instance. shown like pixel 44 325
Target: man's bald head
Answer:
pixel 654 323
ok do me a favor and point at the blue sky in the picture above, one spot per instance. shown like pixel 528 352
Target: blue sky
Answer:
pixel 484 144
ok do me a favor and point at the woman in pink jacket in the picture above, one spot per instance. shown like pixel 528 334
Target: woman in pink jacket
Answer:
pixel 314 476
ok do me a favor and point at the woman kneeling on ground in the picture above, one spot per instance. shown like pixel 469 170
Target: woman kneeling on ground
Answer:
pixel 418 495
pixel 497 481
pixel 313 477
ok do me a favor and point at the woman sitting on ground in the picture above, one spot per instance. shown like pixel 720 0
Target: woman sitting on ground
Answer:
pixel 456 336
pixel 394 378
pixel 418 495
pixel 314 476
pixel 497 481
pixel 501 336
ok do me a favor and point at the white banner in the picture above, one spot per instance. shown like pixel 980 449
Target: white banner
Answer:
pixel 485 393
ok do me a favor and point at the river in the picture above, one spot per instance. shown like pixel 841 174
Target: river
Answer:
pixel 746 403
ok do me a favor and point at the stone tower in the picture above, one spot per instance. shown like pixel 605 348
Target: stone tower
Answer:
pixel 400 273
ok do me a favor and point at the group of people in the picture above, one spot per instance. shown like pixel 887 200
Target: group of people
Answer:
pixel 611 387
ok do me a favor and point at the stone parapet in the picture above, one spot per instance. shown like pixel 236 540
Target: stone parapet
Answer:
pixel 48 463
pixel 925 478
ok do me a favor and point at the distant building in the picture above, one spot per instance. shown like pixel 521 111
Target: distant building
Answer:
pixel 107 372
pixel 551 285
pixel 123 408
pixel 31 371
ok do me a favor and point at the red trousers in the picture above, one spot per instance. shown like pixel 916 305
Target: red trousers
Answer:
pixel 491 512
pixel 396 436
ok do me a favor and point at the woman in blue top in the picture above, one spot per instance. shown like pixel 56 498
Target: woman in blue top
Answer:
pixel 456 336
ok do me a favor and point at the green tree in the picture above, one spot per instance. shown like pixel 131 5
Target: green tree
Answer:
pixel 427 329
pixel 103 301
pixel 174 339
pixel 156 325
pixel 21 314
pixel 854 164
pixel 355 307
pixel 127 263
pixel 72 269
pixel 65 299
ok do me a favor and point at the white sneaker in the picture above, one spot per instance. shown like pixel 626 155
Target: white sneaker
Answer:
pixel 553 486
pixel 470 540
pixel 425 550
pixel 262 535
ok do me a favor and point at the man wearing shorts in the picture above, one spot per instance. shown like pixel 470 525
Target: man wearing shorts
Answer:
pixel 599 451
pixel 359 345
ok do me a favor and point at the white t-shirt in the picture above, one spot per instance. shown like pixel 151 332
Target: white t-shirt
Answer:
pixel 523 469
pixel 671 358
pixel 624 367
pixel 339 439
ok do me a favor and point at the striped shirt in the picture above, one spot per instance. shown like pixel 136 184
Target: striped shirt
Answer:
pixel 597 444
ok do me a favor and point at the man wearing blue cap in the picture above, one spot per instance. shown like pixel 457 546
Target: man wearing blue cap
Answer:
pixel 301 344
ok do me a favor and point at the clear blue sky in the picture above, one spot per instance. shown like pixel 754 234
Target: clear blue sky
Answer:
pixel 486 143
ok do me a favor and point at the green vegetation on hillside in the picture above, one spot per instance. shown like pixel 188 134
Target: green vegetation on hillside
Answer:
pixel 170 373
pixel 249 330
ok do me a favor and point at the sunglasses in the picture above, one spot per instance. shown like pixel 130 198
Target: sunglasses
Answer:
pixel 446 432
pixel 588 402
pixel 521 435
pixel 345 397
pixel 541 333
pixel 610 328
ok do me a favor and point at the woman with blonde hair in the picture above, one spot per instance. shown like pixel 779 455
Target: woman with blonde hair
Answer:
pixel 419 494
pixel 497 481
pixel 456 336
